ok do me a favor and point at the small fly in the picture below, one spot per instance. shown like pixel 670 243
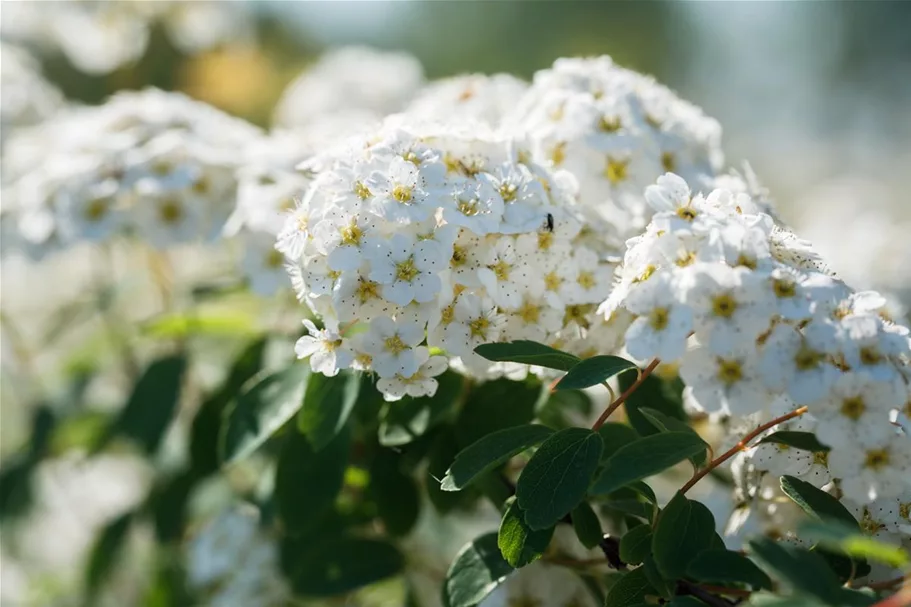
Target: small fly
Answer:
pixel 548 225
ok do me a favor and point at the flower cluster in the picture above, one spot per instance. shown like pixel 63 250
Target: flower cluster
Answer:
pixel 99 37
pixel 152 163
pixel 28 98
pixel 440 241
pixel 475 100
pixel 616 130
pixel 754 322
pixel 355 82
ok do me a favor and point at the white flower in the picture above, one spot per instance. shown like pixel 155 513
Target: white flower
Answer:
pixel 857 408
pixel 504 275
pixel 263 265
pixel 476 206
pixel 796 363
pixel 408 269
pixel 421 383
pixel 391 345
pixel 475 322
pixel 729 382
pixel 872 470
pixel 326 349
pixel 730 306
pixel 346 239
pixel 400 193
pixel 663 322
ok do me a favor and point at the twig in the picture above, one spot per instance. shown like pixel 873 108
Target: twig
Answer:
pixel 744 442
pixel 684 587
pixel 883 585
pixel 626 394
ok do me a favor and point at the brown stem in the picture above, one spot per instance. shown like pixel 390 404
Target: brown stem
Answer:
pixel 614 405
pixel 724 590
pixel 744 442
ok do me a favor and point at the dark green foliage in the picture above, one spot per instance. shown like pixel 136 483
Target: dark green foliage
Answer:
pixel 557 476
pixel 148 412
pixel 636 544
pixel 490 451
pixel 404 421
pixel 646 457
pixel 337 565
pixel 395 493
pixel 630 590
pixel 307 481
pixel 654 393
pixel 495 405
pixel 206 426
pixel 586 525
pixel 684 529
pixel 327 403
pixel 799 440
pixel 727 567
pixel 475 572
pixel 593 371
pixel 816 502
pixel 518 544
pixel 529 353
pixel 261 410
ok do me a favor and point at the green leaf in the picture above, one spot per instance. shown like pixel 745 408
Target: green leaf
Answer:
pixel 685 601
pixel 836 535
pixel 204 432
pixel 518 544
pixel 801 569
pixel 636 544
pixel 586 525
pixel 799 440
pixel 261 410
pixel 477 570
pixel 685 528
pixel 395 493
pixel 563 409
pixel 557 476
pixel 528 353
pixel 148 412
pixel 494 405
pixel 654 393
pixel 727 567
pixel 665 423
pixel 328 402
pixel 336 566
pixel 443 451
pixel 615 435
pixel 816 502
pixel 646 457
pixel 403 421
pixel 307 481
pixel 223 322
pixel 105 552
pixel 663 587
pixel 168 502
pixel 629 590
pixel 491 451
pixel 593 371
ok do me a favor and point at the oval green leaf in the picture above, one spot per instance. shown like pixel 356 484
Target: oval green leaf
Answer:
pixel 646 457
pixel 684 529
pixel 799 440
pixel 528 353
pixel 338 565
pixel 593 371
pixel 327 403
pixel 261 410
pixel 636 544
pixel 476 572
pixel 587 525
pixel 558 475
pixel 727 567
pixel 518 544
pixel 491 451
pixel 816 502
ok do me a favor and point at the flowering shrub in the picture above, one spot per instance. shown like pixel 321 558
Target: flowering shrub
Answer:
pixel 553 353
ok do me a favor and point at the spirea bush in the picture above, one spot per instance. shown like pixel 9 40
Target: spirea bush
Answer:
pixel 554 353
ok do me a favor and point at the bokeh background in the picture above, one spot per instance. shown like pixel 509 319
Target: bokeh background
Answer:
pixel 814 95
